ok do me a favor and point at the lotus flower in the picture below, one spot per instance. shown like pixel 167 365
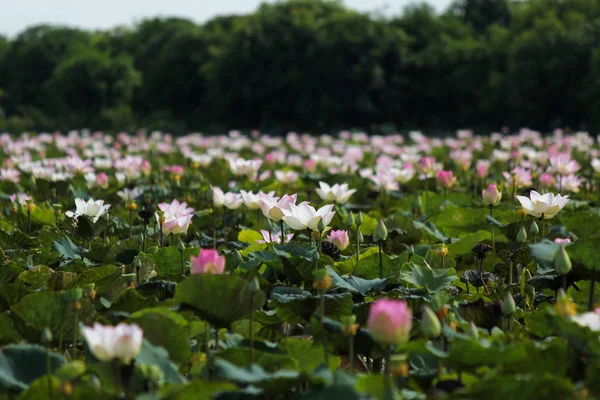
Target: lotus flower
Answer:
pixel 563 164
pixel 122 342
pixel 230 200
pixel 20 198
pixel 491 196
pixel 338 193
pixel 390 321
pixel 546 206
pixel 274 237
pixel 445 178
pixel 340 239
pixel 177 217
pixel 208 262
pixel 130 194
pixel 304 216
pixel 274 208
pixel 92 208
pixel 248 168
pixel 286 176
pixel 589 319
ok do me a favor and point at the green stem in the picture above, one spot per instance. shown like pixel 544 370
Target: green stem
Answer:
pixel 251 355
pixel 380 259
pixel 75 329
pixel 282 233
pixel 493 232
pixel 592 288
pixel 172 239
pixel 144 236
pixel 207 349
pixel 214 225
pixel 510 276
pixel 130 223
pixel 182 264
pixel 49 372
pixel 351 353
pixel 387 375
pixel 357 242
pixel 28 221
pixel 325 353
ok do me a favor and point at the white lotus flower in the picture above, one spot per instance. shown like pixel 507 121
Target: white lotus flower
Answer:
pixel 543 206
pixel 92 208
pixel 274 208
pixel 130 194
pixel 230 200
pixel 251 200
pixel 338 193
pixel 122 342
pixel 304 216
pixel 590 319
pixel 239 166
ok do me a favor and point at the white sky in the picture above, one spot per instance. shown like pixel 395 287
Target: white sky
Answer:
pixel 16 15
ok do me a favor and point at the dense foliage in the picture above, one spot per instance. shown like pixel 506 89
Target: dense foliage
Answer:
pixel 151 267
pixel 314 65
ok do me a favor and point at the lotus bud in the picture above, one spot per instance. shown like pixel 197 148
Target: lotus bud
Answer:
pixel 430 324
pixel 562 262
pixel 390 321
pixel 181 246
pixel 534 229
pixel 359 219
pixel 254 285
pixel 269 224
pixel 321 225
pixel 522 235
pixel 472 331
pixel 72 295
pixel 236 258
pixel 349 220
pixel 360 236
pixel 46 336
pixel 380 233
pixel 508 305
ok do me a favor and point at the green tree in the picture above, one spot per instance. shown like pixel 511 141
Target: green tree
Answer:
pixel 90 83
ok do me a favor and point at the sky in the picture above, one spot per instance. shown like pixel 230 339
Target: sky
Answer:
pixel 16 15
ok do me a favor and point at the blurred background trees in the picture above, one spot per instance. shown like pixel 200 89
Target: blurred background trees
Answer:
pixel 314 65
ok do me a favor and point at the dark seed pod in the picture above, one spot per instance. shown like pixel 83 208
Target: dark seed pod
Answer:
pixel 331 250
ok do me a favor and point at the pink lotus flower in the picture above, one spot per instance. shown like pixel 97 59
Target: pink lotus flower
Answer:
pixel 20 198
pixel 390 321
pixel 483 169
pixel 562 164
pixel 174 169
pixel 445 179
pixel 427 166
pixel 519 177
pixel 273 208
pixel 208 262
pixel 274 237
pixel 107 343
pixel 384 180
pixel 340 239
pixel 10 175
pixel 491 196
pixel 177 217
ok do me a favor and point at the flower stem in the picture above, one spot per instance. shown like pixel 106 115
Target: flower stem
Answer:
pixel 214 225
pixel 282 233
pixel 144 236
pixel 357 242
pixel 182 264
pixel 326 355
pixel 251 355
pixel 28 221
pixel 49 372
pixel 493 232
pixel 387 375
pixel 130 223
pixel 592 288
pixel 380 259
pixel 207 349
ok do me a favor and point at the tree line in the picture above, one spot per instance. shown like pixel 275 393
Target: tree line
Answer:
pixel 314 65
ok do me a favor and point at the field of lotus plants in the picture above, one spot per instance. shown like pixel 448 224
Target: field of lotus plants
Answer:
pixel 350 266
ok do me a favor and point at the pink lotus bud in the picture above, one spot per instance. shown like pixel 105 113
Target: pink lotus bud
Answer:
pixel 309 165
pixel 546 180
pixel 491 196
pixel 208 262
pixel 561 241
pixel 340 239
pixel 390 321
pixel 483 169
pixel 102 180
pixel 445 178
pixel 271 158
